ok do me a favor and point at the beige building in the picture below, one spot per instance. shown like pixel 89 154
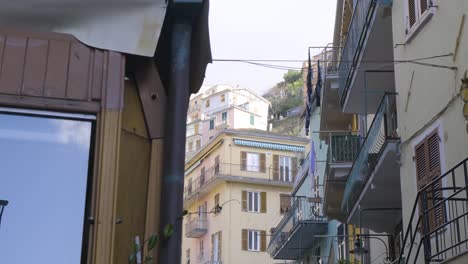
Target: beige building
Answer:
pixel 236 190
pixel 432 124
pixel 219 107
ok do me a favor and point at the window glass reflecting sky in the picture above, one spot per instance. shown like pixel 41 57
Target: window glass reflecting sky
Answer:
pixel 43 175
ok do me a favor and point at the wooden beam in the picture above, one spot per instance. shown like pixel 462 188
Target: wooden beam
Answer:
pixel 108 167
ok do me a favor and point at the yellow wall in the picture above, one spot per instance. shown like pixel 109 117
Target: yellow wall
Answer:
pixel 232 219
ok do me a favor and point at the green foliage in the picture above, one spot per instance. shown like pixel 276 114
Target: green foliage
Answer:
pixel 344 261
pixel 151 243
pixel 286 94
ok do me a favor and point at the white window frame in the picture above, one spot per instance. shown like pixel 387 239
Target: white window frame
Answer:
pixel 224 117
pixel 253 240
pixel 212 121
pixel 252 162
pixel 421 19
pixel 285 165
pixel 253 202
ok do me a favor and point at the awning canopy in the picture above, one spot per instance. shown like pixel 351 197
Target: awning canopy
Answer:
pixel 128 26
pixel 268 145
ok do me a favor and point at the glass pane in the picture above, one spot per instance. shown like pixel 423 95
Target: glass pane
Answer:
pixel 44 170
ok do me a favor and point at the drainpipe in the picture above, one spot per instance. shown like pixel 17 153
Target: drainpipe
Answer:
pixel 174 150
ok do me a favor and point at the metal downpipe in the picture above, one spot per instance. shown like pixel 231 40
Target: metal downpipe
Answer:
pixel 174 150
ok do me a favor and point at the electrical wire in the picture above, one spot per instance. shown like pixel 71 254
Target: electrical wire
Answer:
pixel 257 62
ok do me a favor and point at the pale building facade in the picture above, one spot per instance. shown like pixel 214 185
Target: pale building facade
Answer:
pixel 432 123
pixel 235 187
pixel 222 106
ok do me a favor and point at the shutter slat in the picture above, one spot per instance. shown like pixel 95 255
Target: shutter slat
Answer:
pixel 244 239
pixel 220 247
pixel 294 168
pixel 263 202
pixel 243 160
pixel 244 200
pixel 275 167
pixel 262 162
pixel 263 240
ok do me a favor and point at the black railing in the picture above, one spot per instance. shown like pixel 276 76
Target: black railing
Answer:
pixel 344 147
pixel 302 209
pixel 438 225
pixel 382 129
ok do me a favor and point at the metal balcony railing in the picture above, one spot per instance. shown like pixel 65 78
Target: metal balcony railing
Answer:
pixel 445 197
pixel 343 147
pixel 357 32
pixel 280 175
pixel 302 209
pixel 196 227
pixel 382 129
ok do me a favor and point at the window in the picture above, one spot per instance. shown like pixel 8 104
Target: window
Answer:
pixel 189 187
pixel 198 144
pixel 224 117
pixel 207 103
pixel 212 124
pixel 190 146
pixel 427 161
pixel 45 162
pixel 252 120
pixel 201 247
pixel 216 240
pixel 216 204
pixel 223 97
pixel 253 202
pixel 254 240
pixel 418 11
pixel 253 162
pixel 202 176
pixel 203 210
pixel 196 128
pixel 285 168
pixel 285 203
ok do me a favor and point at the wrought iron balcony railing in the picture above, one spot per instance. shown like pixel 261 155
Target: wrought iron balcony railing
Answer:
pixel 382 129
pixel 438 227
pixel 196 227
pixel 262 174
pixel 302 209
pixel 343 147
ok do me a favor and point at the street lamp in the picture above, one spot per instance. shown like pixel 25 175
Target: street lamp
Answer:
pixel 3 203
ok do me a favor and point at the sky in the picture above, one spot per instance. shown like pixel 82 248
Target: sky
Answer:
pixel 264 29
pixel 44 170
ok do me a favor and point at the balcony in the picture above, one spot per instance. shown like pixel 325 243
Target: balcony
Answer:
pixel 343 148
pixel 196 227
pixel 428 240
pixel 366 67
pixel 374 179
pixel 297 229
pixel 237 173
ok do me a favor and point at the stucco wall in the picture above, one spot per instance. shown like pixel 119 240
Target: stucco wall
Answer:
pixel 431 101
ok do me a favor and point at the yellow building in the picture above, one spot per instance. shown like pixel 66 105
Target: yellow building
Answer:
pixel 235 191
